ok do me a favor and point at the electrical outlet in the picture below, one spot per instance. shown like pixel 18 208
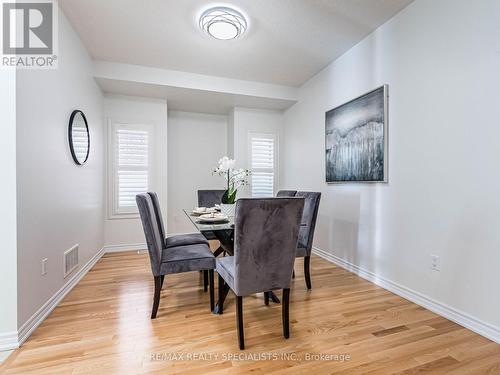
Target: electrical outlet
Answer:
pixel 435 263
pixel 44 266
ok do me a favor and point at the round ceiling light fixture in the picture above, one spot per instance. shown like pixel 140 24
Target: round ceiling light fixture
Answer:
pixel 223 23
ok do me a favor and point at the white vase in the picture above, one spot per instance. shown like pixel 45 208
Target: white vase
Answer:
pixel 227 209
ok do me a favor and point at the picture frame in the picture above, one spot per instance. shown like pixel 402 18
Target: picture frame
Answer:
pixel 356 139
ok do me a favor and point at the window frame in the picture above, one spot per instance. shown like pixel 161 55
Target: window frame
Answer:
pixel 275 137
pixel 114 212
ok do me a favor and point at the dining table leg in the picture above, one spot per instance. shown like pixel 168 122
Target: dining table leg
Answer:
pixel 225 238
pixel 219 251
pixel 274 297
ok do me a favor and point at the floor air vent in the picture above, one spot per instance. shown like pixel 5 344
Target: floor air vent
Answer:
pixel 70 260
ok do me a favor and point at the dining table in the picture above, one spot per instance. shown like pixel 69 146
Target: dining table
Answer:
pixel 224 232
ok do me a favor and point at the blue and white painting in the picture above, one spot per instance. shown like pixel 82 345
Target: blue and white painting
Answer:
pixel 356 139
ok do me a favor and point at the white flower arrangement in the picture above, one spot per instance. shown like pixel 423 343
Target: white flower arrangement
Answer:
pixel 235 178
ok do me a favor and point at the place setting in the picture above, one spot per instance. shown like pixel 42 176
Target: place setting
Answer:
pixel 210 215
pixel 200 211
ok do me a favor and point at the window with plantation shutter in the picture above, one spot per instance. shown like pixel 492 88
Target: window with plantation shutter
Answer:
pixel 132 165
pixel 262 164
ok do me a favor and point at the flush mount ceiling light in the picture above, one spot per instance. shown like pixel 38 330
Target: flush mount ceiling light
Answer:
pixel 223 23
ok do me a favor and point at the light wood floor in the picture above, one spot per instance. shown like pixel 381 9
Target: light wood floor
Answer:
pixel 103 327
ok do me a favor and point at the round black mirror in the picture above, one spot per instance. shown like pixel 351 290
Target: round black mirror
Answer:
pixel 79 137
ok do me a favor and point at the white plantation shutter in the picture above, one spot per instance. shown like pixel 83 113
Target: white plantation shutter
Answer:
pixel 263 164
pixel 132 162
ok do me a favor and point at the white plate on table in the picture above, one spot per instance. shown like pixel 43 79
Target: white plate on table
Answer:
pixel 213 218
pixel 199 212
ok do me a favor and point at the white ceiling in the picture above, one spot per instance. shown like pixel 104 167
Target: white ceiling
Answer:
pixel 288 41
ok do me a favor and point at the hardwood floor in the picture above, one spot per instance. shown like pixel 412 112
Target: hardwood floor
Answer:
pixel 103 326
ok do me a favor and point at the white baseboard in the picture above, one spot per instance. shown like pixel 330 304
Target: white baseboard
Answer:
pixel 8 341
pixel 133 246
pixel 484 329
pixel 5 354
pixel 37 318
pixel 125 247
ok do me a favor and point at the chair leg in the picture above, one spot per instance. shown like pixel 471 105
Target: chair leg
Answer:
pixel 205 280
pixel 220 302
pixel 239 322
pixel 156 298
pixel 285 312
pixel 223 290
pixel 162 279
pixel 307 273
pixel 266 298
pixel 211 279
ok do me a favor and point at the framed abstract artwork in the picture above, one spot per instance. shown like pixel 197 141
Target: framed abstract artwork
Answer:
pixel 356 139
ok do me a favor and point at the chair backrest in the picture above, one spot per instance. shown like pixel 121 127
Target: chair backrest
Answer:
pixel 151 231
pixel 159 218
pixel 265 242
pixel 286 193
pixel 209 198
pixel 311 206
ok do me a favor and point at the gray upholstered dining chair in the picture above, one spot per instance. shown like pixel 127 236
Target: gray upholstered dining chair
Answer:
pixel 265 241
pixel 286 193
pixel 175 240
pixel 209 198
pixel 170 260
pixel 283 194
pixel 178 239
pixel 306 232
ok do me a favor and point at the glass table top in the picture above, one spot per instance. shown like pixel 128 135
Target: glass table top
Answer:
pixel 202 227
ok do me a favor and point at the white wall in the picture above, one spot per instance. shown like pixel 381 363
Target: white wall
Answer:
pixel 246 120
pixel 8 230
pixel 127 232
pixel 59 204
pixel 230 134
pixel 196 142
pixel 441 60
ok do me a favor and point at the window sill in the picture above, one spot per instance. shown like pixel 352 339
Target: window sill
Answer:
pixel 124 216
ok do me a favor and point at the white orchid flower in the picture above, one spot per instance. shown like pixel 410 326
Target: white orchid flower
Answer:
pixel 226 164
pixel 231 163
pixel 223 163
